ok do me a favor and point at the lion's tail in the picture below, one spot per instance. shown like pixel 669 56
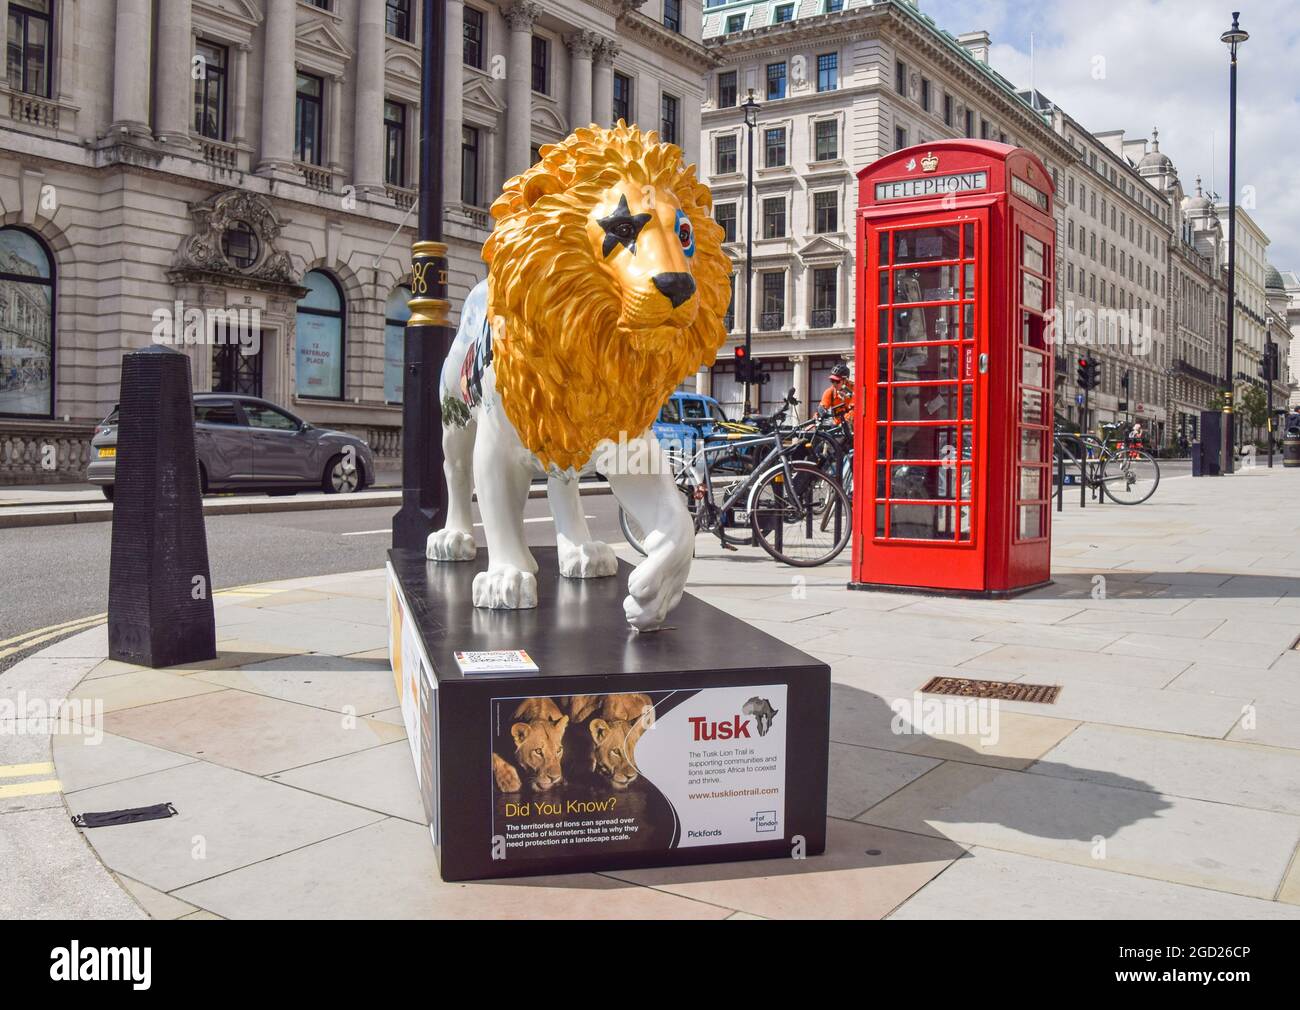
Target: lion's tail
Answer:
pixel 473 329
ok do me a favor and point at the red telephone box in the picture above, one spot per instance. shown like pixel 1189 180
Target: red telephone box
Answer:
pixel 956 257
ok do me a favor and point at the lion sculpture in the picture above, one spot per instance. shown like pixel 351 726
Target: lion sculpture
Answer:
pixel 606 286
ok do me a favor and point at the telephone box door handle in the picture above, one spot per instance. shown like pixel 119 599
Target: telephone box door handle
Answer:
pixel 984 364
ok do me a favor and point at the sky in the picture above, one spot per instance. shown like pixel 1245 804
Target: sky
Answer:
pixel 1138 64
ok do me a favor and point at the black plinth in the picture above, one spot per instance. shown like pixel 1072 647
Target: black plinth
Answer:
pixel 160 587
pixel 731 764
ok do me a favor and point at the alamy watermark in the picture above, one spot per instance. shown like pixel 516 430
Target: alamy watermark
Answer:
pixel 181 325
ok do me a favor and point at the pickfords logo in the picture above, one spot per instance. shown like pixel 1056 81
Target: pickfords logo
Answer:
pixel 707 729
pixel 75 963
pixel 705 833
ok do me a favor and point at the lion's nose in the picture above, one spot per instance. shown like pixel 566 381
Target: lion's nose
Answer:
pixel 676 287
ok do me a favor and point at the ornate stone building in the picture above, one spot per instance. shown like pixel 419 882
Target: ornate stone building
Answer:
pixel 237 177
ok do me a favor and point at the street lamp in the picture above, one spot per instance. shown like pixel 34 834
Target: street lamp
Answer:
pixel 1233 39
pixel 427 339
pixel 751 120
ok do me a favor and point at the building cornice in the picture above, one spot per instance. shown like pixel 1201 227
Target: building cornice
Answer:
pixel 632 23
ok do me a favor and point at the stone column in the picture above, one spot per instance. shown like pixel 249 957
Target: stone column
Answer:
pixel 602 94
pixel 175 102
pixel 279 87
pixel 519 86
pixel 800 383
pixel 453 114
pixel 4 26
pixel 239 128
pixel 368 115
pixel 582 46
pixel 131 68
pixel 334 120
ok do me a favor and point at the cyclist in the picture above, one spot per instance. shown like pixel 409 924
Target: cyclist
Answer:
pixel 838 398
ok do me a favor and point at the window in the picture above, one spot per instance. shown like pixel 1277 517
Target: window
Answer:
pixel 735 23
pixel 308 119
pixel 774 147
pixel 828 71
pixel 826 140
pixel 210 92
pixel 319 339
pixel 727 90
pixel 541 65
pixel 775 81
pixel 725 215
pixel 473 38
pixel 834 6
pixel 773 315
pixel 269 418
pixel 970 123
pixel 826 212
pixel 984 129
pixel 825 296
pixel 396 313
pixel 398 19
pixel 240 246
pixel 673 15
pixel 900 137
pixel 322 4
pixel 29 49
pixel 26 323
pixel 947 110
pixel 724 162
pixel 216 412
pixel 783 13
pixel 774 217
pixel 394 143
pixel 469 158
pixel 900 77
pixel 622 98
pixel 925 94
pixel 668 118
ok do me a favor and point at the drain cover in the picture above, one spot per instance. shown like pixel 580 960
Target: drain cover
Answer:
pixel 1040 693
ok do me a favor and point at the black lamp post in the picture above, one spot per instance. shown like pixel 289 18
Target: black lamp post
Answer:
pixel 427 339
pixel 751 120
pixel 1232 38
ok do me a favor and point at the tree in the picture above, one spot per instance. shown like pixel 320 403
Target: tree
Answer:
pixel 1254 405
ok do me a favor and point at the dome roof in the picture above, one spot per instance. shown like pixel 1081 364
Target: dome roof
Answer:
pixel 1155 159
pixel 1273 279
pixel 1198 204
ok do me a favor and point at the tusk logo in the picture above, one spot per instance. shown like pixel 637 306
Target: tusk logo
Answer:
pixel 75 963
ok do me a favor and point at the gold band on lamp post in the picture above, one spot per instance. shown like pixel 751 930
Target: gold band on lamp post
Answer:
pixel 428 273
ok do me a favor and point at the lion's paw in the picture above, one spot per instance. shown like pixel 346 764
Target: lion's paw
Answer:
pixel 592 560
pixel 450 545
pixel 654 588
pixel 505 588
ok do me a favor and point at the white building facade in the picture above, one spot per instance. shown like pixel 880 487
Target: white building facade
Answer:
pixel 238 176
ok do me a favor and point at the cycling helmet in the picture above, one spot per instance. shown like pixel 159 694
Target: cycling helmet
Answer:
pixel 840 371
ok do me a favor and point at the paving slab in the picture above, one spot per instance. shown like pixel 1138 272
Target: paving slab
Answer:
pixel 988 884
pixel 380 779
pixel 1066 666
pixel 85 762
pixel 334 683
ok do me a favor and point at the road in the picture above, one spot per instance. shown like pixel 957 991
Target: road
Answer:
pixel 57 574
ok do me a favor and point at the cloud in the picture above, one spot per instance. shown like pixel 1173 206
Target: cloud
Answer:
pixel 1161 64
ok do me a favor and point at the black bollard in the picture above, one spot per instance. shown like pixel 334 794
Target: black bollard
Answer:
pixel 160 586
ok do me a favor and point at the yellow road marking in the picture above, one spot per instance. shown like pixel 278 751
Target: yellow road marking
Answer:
pixel 40 788
pixel 21 771
pixel 57 633
pixel 52 627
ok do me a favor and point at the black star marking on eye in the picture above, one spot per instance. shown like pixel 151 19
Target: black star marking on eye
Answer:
pixel 621 228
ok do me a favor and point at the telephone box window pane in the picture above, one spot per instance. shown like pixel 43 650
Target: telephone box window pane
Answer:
pixel 884 249
pixel 923 483
pixel 1031 292
pixel 882 481
pixel 1033 332
pixel 967 444
pixel 926 363
pixel 921 522
pixel 882 365
pixel 925 324
pixel 1031 406
pixel 928 284
pixel 921 245
pixel 968 322
pixel 925 403
pixel 1031 521
pixel 882 403
pixel 1032 371
pixel 1031 446
pixel 1031 482
pixel 967 401
pixel 882 331
pixel 968 286
pixel 936 442
pixel 880 520
pixel 884 287
pixel 969 238
pixel 963 532
pixel 1034 254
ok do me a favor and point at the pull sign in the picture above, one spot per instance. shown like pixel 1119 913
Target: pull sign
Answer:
pixel 966 365
pixel 984 364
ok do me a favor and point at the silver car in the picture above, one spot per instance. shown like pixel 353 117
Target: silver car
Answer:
pixel 247 444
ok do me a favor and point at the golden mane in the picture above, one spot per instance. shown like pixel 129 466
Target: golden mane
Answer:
pixel 568 374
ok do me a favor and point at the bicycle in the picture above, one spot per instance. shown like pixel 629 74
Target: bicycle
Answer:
pixel 798 514
pixel 1128 476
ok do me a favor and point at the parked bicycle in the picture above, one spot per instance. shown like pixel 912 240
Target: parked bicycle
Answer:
pixel 793 510
pixel 1127 476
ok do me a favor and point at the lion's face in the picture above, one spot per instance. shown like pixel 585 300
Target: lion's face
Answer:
pixel 645 243
pixel 613 752
pixel 539 746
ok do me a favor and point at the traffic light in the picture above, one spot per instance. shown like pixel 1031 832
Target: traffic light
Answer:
pixel 744 372
pixel 1268 368
pixel 1089 373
